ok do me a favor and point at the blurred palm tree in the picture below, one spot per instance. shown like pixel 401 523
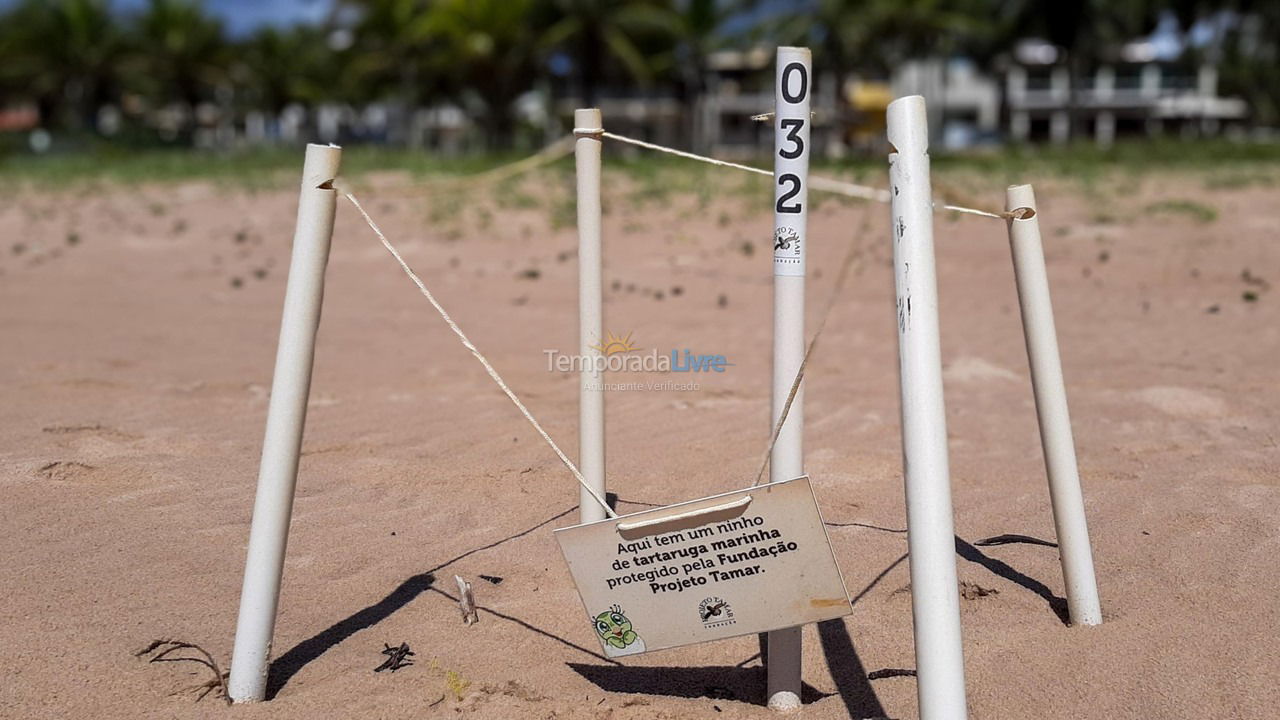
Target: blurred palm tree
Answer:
pixel 64 55
pixel 491 54
pixel 874 36
pixel 180 53
pixel 697 27
pixel 392 53
pixel 693 30
pixel 1247 50
pixel 597 31
pixel 277 67
pixel 482 53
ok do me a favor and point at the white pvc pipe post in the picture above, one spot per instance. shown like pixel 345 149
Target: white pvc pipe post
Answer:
pixel 286 414
pixel 590 314
pixel 1051 407
pixel 792 122
pixel 935 597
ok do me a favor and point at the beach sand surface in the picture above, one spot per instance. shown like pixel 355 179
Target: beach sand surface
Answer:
pixel 137 334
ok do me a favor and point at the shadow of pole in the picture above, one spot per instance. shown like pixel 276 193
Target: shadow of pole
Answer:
pixel 842 658
pixel 711 682
pixel 846 667
pixel 876 581
pixel 287 665
pixel 843 662
pixel 283 668
pixel 847 671
pixel 974 555
pixel 534 628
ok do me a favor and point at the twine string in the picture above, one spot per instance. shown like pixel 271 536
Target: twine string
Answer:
pixel 837 187
pixel 852 258
pixel 466 342
pixel 563 147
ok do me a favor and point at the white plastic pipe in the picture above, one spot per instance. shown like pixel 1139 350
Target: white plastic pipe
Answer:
pixel 286 414
pixel 793 87
pixel 1051 407
pixel 590 315
pixel 935 598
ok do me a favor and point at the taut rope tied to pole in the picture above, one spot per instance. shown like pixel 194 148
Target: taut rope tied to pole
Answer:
pixel 466 342
pixel 559 149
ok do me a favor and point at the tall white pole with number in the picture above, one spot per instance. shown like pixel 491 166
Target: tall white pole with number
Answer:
pixel 286 414
pixel 791 199
pixel 590 314
pixel 935 597
pixel 1051 407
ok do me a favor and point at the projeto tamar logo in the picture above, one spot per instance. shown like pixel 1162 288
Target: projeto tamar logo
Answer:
pixel 715 612
pixel 619 353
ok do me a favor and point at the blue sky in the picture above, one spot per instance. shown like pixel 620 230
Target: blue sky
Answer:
pixel 242 16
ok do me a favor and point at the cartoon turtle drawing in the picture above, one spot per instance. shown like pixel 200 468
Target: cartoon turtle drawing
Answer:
pixel 615 630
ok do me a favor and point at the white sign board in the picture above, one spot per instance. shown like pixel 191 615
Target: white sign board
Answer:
pixel 740 563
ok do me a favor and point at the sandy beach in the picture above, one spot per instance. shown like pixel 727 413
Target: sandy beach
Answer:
pixel 137 334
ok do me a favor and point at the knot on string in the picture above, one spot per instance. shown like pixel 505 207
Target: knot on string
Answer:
pixel 768 117
pixel 596 133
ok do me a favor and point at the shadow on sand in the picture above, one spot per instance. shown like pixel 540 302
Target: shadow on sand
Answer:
pixel 283 668
pixel 716 682
pixel 1057 604
pixel 743 683
pixel 747 684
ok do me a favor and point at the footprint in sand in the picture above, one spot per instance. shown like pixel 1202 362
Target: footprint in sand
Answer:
pixel 968 591
pixel 65 470
pixel 89 429
pixel 91 440
pixel 718 399
pixel 975 369
pixel 1182 402
pixel 973 591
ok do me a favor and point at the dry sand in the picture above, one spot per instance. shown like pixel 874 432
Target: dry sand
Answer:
pixel 137 334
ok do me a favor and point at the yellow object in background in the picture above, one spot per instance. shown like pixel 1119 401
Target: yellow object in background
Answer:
pixel 869 101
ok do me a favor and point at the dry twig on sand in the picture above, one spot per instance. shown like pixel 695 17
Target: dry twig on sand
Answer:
pixel 1009 539
pixel 890 673
pixel 163 651
pixel 397 657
